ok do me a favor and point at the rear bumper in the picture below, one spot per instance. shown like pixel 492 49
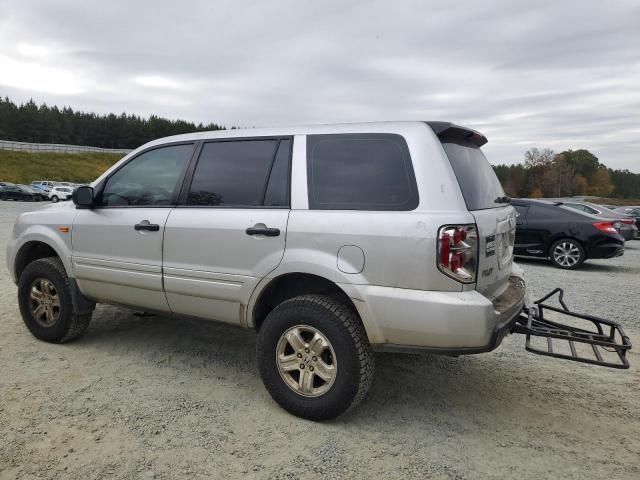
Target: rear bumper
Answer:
pixel 606 250
pixel 451 323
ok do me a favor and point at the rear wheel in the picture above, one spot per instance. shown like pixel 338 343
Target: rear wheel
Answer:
pixel 314 357
pixel 54 199
pixel 567 254
pixel 44 297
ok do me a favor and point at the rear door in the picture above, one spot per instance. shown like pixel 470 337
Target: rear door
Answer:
pixel 496 220
pixel 229 231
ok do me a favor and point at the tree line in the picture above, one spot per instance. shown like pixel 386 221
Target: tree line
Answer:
pixel 572 172
pixel 29 122
pixel 543 173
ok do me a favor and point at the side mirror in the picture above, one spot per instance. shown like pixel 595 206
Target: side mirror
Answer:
pixel 83 197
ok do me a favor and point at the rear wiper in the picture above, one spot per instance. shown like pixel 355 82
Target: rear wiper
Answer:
pixel 504 199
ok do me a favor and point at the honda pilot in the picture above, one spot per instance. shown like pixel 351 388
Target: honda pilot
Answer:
pixel 332 242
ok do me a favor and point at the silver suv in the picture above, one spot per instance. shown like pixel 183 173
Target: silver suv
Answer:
pixel 331 241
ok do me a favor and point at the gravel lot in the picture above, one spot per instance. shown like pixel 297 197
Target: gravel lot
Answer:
pixel 148 397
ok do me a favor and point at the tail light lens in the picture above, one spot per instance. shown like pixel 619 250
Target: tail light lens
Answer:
pixel 458 252
pixel 605 227
pixel 628 221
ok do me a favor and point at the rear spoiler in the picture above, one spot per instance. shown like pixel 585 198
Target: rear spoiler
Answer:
pixel 452 132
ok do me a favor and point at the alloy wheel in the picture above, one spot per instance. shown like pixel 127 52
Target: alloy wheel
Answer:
pixel 306 361
pixel 44 302
pixel 566 254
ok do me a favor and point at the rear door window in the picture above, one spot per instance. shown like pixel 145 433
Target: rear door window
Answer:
pixel 371 171
pixel 479 184
pixel 242 173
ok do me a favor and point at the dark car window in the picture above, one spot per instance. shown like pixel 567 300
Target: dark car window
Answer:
pixel 277 193
pixel 149 179
pixel 236 173
pixel 540 212
pixel 479 184
pixel 360 172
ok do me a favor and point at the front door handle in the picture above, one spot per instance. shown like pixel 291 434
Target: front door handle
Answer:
pixel 146 226
pixel 267 232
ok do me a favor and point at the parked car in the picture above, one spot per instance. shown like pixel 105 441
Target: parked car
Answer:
pixel 16 192
pixel 38 195
pixel 44 184
pixel 562 234
pixel 60 193
pixel 631 211
pixel 418 200
pixel 42 188
pixel 624 224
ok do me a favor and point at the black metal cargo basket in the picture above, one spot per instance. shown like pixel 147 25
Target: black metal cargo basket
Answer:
pixel 597 341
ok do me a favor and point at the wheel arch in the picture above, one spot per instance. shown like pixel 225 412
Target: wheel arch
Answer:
pixel 274 291
pixel 30 251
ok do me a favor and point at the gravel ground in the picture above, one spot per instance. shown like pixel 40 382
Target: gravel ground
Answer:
pixel 149 397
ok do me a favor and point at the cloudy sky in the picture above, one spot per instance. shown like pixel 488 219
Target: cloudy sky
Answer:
pixel 558 74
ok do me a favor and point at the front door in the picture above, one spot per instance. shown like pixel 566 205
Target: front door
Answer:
pixel 117 246
pixel 229 231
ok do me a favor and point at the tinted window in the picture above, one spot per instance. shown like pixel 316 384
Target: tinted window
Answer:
pixel 236 173
pixel 479 184
pixel 360 172
pixel 149 179
pixel 277 194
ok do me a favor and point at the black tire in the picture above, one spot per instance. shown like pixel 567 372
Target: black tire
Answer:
pixel 54 199
pixel 68 325
pixel 342 327
pixel 574 254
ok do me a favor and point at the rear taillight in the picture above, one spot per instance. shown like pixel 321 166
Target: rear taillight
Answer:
pixel 458 252
pixel 628 221
pixel 605 227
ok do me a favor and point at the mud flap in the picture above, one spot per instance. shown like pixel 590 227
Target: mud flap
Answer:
pixel 584 338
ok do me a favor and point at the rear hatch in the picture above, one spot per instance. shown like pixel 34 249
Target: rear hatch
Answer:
pixel 486 201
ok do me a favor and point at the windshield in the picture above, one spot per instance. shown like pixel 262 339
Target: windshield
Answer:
pixel 479 184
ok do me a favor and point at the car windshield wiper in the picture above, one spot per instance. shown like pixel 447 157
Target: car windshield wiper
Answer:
pixel 504 199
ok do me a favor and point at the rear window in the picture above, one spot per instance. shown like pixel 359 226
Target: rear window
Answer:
pixel 479 184
pixel 370 171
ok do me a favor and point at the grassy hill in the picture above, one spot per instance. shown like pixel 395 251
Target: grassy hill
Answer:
pixel 25 167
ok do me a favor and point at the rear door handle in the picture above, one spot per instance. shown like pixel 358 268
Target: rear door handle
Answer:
pixel 268 232
pixel 146 226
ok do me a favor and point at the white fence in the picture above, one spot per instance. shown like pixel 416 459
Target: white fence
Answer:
pixel 56 147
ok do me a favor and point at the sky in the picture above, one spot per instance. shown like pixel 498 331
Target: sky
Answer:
pixel 561 74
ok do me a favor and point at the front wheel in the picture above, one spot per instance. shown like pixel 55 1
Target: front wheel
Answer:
pixel 54 199
pixel 314 357
pixel 44 297
pixel 567 254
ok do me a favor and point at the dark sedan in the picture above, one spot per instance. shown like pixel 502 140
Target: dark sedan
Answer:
pixel 631 211
pixel 18 192
pixel 624 224
pixel 564 235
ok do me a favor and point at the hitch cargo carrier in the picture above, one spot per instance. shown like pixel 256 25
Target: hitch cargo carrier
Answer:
pixel 607 341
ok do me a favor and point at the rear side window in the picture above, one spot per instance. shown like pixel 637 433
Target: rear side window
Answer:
pixel 369 171
pixel 479 184
pixel 242 173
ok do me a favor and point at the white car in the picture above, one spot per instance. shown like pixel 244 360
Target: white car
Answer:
pixel 60 193
pixel 331 241
pixel 44 185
